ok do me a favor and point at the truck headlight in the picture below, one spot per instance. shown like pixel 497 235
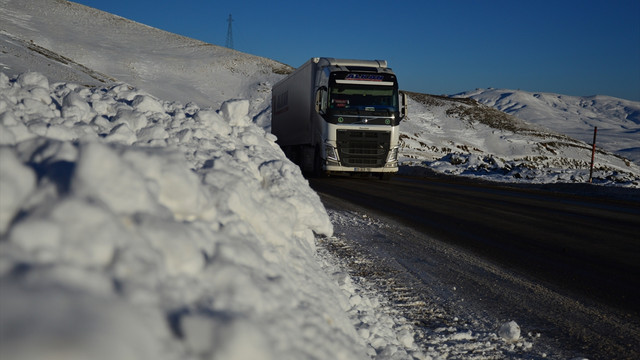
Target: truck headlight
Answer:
pixel 393 155
pixel 330 152
pixel 392 158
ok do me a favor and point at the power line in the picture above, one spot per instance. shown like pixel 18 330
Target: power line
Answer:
pixel 229 34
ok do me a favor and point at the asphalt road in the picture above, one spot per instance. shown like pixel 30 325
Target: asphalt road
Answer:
pixel 581 240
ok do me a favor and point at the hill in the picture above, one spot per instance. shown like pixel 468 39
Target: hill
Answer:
pixel 460 136
pixel 618 120
pixel 74 43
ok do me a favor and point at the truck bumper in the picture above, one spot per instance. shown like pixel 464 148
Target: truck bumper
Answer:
pixel 343 169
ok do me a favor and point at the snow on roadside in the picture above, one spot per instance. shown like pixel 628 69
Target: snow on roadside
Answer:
pixel 386 334
pixel 423 327
pixel 137 228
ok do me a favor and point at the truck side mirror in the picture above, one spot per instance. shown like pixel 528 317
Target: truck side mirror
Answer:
pixel 403 107
pixel 321 100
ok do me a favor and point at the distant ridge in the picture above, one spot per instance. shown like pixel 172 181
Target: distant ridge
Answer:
pixel 618 120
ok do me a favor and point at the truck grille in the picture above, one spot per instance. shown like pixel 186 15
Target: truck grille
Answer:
pixel 363 148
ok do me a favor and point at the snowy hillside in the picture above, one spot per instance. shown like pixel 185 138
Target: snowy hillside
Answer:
pixel 618 120
pixel 460 136
pixel 75 43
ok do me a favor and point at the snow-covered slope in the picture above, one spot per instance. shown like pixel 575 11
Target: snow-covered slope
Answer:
pixel 618 120
pixel 166 65
pixel 463 137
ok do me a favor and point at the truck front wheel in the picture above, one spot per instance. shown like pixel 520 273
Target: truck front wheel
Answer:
pixel 318 171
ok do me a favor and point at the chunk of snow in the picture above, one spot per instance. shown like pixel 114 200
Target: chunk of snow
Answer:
pixel 54 322
pixel 211 120
pixel 134 119
pixel 102 175
pixel 235 112
pixel 509 331
pixel 17 181
pixel 146 103
pixel 32 79
pixel 76 108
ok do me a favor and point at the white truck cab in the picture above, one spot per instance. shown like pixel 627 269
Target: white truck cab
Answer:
pixel 339 116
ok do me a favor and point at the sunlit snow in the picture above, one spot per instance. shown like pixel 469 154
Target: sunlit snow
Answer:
pixel 147 213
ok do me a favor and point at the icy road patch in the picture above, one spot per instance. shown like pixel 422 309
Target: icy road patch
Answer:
pixel 394 313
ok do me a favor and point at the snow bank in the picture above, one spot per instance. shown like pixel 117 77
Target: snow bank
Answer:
pixel 135 228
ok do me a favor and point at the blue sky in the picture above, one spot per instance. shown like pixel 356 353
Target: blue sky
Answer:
pixel 572 47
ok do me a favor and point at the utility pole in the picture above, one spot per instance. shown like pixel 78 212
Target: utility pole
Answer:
pixel 229 43
pixel 593 154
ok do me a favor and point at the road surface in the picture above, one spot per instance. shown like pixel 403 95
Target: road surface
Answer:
pixel 574 251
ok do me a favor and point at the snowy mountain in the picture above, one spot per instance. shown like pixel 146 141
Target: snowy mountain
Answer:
pixel 146 212
pixel 618 120
pixel 460 136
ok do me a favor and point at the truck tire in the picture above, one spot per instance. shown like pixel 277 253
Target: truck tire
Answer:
pixel 318 171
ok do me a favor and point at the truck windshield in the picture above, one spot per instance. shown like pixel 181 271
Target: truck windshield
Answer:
pixel 363 98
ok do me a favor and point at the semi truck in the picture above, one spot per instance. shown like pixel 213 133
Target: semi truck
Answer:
pixel 339 116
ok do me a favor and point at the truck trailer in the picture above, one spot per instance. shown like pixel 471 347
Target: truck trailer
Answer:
pixel 338 116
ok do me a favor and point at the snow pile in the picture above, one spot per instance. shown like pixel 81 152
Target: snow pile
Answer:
pixel 136 228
